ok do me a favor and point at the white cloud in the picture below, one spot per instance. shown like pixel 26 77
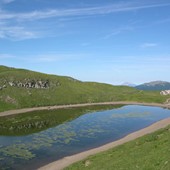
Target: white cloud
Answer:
pixel 6 56
pixel 43 58
pixel 118 31
pixel 55 57
pixel 98 10
pixel 47 59
pixel 137 61
pixel 7 1
pixel 16 24
pixel 85 44
pixel 165 20
pixel 15 32
pixel 148 45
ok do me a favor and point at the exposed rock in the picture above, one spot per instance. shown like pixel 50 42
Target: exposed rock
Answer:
pixel 167 101
pixel 4 86
pixel 87 163
pixel 8 99
pixel 27 83
pixel 11 83
pixel 165 92
pixel 29 93
pixel 58 83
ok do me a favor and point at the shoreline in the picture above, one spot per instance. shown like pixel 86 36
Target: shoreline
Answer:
pixel 66 161
pixel 25 110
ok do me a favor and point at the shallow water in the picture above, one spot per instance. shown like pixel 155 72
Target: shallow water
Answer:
pixel 92 129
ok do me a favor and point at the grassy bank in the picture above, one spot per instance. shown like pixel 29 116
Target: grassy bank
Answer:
pixel 151 152
pixel 64 90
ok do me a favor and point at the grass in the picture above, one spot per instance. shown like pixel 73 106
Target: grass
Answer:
pixel 70 91
pixel 150 152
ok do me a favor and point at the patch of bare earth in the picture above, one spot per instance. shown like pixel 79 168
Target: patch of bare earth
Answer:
pixel 9 99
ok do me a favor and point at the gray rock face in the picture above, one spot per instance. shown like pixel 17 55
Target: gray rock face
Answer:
pixel 11 83
pixel 27 83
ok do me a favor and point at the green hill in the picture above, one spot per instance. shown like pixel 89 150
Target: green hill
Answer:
pixel 21 88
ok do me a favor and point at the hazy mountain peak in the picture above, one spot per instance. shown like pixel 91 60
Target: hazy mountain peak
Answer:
pixel 154 85
pixel 128 84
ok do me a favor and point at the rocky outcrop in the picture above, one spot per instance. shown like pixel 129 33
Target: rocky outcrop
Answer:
pixel 165 92
pixel 30 84
pixel 27 83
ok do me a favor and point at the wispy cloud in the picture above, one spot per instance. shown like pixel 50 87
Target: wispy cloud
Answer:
pixel 138 64
pixel 118 31
pixel 6 56
pixel 98 10
pixel 165 20
pixel 7 1
pixel 55 57
pixel 16 33
pixel 137 61
pixel 49 58
pixel 15 25
pixel 148 45
pixel 85 44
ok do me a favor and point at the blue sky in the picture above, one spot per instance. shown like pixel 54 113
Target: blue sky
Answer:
pixel 111 41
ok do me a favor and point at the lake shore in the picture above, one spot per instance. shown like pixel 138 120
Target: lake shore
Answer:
pixel 19 111
pixel 66 161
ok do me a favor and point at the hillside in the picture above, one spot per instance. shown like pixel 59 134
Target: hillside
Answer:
pixel 23 88
pixel 154 85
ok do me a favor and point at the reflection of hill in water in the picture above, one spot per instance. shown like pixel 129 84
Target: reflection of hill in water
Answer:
pixel 32 122
pixel 131 115
pixel 74 133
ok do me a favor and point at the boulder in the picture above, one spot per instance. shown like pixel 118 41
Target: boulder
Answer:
pixel 4 86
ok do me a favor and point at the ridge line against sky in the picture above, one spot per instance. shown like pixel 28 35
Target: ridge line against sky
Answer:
pixel 106 41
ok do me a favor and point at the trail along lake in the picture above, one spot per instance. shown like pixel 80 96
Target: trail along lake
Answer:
pixel 31 140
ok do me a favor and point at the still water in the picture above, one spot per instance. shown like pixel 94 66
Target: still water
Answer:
pixel 82 132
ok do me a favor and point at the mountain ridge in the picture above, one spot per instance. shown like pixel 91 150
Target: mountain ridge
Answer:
pixel 129 84
pixel 154 85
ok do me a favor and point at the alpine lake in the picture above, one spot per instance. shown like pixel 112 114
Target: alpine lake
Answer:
pixel 31 140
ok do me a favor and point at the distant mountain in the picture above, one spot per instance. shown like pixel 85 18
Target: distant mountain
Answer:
pixel 128 84
pixel 154 85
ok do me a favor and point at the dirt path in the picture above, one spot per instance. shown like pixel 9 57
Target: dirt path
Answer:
pixel 19 111
pixel 62 163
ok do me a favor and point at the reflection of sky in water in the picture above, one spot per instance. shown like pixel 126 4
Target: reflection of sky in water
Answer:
pixel 87 131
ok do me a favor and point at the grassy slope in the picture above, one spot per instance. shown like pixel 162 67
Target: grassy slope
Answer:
pixel 151 152
pixel 70 91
